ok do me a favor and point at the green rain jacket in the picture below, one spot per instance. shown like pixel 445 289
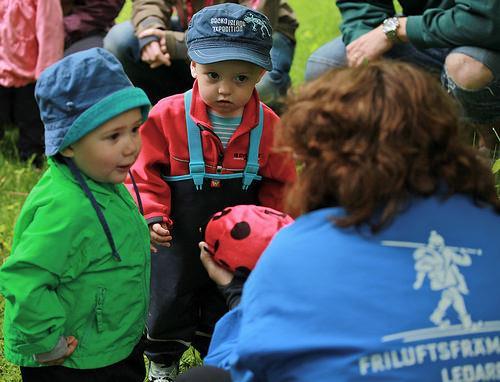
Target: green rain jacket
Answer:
pixel 431 23
pixel 61 279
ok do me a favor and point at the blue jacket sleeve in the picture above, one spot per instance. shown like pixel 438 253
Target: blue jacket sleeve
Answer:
pixel 224 339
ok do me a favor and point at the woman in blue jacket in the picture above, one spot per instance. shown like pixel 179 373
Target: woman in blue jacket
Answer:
pixel 391 272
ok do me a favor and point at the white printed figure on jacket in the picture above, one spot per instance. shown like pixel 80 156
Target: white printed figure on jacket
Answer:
pixel 440 263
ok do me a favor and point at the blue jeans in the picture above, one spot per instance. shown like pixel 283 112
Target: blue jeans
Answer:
pixel 166 80
pixel 480 106
pixel 275 83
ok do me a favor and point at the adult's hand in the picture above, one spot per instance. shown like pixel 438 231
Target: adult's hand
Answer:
pixel 368 47
pixel 218 274
pixel 155 53
pixel 373 44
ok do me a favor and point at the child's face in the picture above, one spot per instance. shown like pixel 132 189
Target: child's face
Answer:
pixel 107 153
pixel 226 86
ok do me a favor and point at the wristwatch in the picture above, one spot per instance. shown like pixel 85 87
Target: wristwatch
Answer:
pixel 390 27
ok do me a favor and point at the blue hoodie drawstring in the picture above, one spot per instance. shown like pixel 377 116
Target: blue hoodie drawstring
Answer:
pixel 77 174
pixel 100 215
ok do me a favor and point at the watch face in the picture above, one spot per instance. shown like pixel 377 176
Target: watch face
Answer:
pixel 389 27
pixel 393 23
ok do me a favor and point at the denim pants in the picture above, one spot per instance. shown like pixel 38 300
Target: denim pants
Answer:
pixel 275 83
pixel 480 106
pixel 167 80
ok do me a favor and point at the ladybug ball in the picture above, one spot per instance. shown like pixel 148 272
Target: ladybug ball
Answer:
pixel 238 235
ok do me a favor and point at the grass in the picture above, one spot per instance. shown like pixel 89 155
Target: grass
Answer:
pixel 16 180
pixel 318 25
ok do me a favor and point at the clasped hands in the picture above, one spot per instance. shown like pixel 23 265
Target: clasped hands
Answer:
pixel 156 52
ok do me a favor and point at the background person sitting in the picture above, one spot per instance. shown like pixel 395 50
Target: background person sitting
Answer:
pixel 458 40
pixel 152 46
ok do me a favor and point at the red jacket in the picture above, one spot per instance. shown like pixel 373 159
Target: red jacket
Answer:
pixel 165 152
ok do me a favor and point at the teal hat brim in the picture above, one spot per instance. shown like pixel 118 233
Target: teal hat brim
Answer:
pixel 104 110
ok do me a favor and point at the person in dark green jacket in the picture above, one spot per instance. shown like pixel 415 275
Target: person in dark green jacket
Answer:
pixel 76 284
pixel 460 39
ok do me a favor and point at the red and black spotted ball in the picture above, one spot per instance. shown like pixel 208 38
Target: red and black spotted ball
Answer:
pixel 238 235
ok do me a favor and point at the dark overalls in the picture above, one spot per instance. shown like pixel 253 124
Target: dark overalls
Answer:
pixel 185 303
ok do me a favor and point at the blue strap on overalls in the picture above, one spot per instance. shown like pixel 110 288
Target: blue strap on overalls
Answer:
pixel 252 167
pixel 197 163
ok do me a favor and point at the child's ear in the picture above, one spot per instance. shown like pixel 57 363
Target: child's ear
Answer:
pixel 193 69
pixel 68 152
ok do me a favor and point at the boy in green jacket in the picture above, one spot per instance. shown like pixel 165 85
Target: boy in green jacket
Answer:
pixel 77 281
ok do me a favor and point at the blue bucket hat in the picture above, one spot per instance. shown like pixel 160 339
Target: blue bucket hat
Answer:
pixel 81 92
pixel 230 32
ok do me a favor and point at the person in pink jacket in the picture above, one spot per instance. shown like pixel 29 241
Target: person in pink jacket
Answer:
pixel 31 39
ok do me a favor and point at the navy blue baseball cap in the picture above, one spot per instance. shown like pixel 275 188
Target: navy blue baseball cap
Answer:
pixel 230 32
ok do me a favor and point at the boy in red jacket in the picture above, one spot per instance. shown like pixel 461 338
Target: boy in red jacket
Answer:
pixel 203 151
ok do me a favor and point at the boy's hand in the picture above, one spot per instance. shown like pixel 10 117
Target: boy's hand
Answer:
pixel 71 343
pixel 229 284
pixel 218 274
pixel 160 235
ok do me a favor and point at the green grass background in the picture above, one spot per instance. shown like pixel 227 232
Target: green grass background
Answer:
pixel 318 24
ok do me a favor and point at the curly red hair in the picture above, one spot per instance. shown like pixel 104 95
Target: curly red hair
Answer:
pixel 371 137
